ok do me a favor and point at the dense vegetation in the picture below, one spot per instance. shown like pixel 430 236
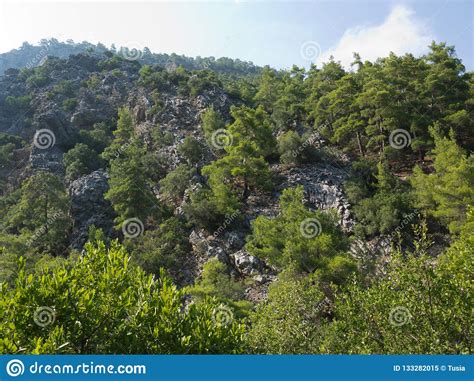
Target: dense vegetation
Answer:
pixel 401 129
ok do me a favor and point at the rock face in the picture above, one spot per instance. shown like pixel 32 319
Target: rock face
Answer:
pixel 94 91
pixel 88 207
pixel 247 264
pixel 180 117
pixel 323 188
pixel 50 159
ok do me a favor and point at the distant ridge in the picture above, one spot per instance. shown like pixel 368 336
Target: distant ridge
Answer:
pixel 34 55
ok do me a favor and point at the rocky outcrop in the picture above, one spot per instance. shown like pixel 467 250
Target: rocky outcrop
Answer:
pixel 49 159
pixel 88 207
pixel 323 185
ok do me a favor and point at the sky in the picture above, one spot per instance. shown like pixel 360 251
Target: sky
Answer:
pixel 275 33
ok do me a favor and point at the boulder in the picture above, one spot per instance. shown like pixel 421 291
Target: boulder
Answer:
pixel 246 263
pixel 88 207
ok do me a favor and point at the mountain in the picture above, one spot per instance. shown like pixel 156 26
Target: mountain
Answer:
pixel 258 210
pixel 29 56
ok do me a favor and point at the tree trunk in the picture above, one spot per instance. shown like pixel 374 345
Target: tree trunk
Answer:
pixel 359 143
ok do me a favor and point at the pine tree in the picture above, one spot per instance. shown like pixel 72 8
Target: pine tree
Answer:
pixel 42 214
pixel 447 193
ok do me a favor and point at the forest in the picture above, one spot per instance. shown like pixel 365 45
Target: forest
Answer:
pixel 155 204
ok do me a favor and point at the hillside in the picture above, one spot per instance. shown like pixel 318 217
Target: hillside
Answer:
pixel 30 56
pixel 299 211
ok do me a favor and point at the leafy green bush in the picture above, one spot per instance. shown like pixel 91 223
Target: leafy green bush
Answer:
pixel 172 187
pixel 38 80
pixel 81 160
pixel 208 211
pixel 15 105
pixel 6 154
pixel 93 82
pixel 216 282
pixel 166 247
pixel 69 104
pixel 294 149
pixel 446 193
pixel 381 201
pixel 191 150
pixel 65 88
pixel 98 138
pixel 41 214
pixel 309 240
pixel 291 320
pixel 111 306
pixel 415 307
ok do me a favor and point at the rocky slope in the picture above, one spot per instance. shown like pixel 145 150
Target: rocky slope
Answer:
pixel 98 92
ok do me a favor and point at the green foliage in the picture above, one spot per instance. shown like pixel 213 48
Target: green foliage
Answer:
pixel 129 191
pixel 201 81
pixel 93 82
pixel 81 160
pixel 381 201
pixel 191 150
pixel 447 192
pixel 6 154
pixel 69 104
pixel 154 77
pixel 211 122
pixel 65 88
pixel 208 209
pixel 41 214
pixel 288 145
pixel 172 187
pixel 297 236
pixel 161 139
pixel 11 139
pixel 123 135
pixel 244 168
pixel 295 149
pixel 166 247
pixel 158 104
pixel 111 306
pixel 38 79
pixel 98 138
pixel 241 171
pixel 216 282
pixel 414 308
pixel 14 105
pixel 251 125
pixel 111 63
pixel 291 319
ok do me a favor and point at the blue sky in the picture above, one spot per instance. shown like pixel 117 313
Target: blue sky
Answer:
pixel 278 33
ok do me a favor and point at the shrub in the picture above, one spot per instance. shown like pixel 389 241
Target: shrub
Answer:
pixel 111 306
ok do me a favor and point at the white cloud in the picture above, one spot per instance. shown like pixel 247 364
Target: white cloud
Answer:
pixel 400 33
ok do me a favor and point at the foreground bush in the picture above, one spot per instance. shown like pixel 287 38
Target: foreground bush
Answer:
pixel 104 304
pixel 416 307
